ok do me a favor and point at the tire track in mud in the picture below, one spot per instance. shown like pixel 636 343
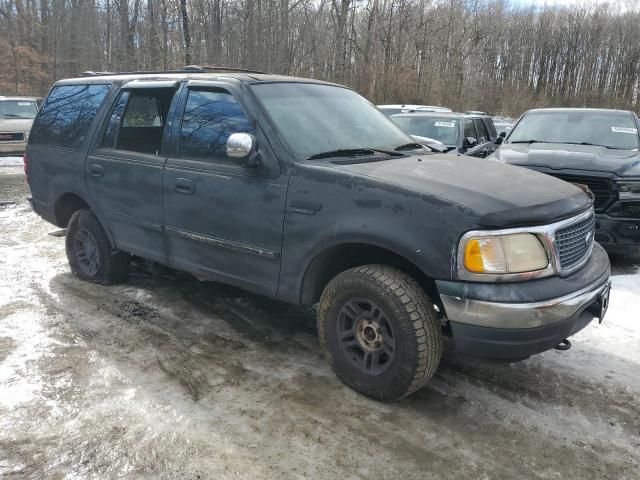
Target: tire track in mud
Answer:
pixel 132 326
pixel 182 338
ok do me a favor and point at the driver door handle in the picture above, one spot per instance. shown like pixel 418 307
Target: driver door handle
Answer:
pixel 96 170
pixel 184 186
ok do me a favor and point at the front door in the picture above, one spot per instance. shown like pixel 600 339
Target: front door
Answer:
pixel 124 171
pixel 223 221
pixel 479 148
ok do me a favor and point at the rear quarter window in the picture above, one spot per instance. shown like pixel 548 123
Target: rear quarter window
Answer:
pixel 67 114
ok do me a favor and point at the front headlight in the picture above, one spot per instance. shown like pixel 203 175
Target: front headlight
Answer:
pixel 629 190
pixel 504 254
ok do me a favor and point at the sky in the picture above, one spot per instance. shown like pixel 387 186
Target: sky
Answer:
pixel 627 3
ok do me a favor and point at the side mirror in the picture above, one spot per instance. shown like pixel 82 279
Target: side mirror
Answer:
pixel 500 139
pixel 470 142
pixel 242 147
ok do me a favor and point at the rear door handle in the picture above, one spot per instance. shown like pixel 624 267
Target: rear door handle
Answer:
pixel 184 186
pixel 96 170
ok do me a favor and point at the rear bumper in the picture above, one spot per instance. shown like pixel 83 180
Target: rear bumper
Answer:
pixel 13 147
pixel 512 323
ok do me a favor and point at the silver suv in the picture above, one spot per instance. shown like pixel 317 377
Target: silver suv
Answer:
pixel 16 118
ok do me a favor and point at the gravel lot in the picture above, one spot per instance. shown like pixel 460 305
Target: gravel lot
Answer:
pixel 169 377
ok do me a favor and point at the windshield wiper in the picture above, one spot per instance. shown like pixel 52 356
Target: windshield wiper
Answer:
pixel 13 115
pixel 593 145
pixel 528 141
pixel 351 152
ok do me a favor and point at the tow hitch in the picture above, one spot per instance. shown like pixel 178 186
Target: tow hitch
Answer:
pixel 563 345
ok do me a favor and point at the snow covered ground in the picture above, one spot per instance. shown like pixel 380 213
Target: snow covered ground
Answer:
pixel 10 161
pixel 166 376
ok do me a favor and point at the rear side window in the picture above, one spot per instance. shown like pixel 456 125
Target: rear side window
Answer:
pixel 136 122
pixel 66 116
pixel 210 117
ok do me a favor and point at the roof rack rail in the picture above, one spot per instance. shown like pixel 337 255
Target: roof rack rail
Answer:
pixel 216 68
pixel 90 73
pixel 187 68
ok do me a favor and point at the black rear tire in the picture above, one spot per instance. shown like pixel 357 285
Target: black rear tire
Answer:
pixel 89 251
pixel 379 332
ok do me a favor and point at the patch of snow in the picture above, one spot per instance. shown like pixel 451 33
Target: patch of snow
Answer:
pixel 10 161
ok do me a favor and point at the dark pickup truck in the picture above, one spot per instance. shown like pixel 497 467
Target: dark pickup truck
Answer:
pixel 303 191
pixel 593 147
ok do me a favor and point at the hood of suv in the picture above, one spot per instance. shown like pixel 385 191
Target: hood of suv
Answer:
pixel 501 195
pixel 15 125
pixel 561 156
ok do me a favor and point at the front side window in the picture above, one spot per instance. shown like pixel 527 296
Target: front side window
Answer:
pixel 67 114
pixel 314 118
pixel 18 109
pixel 483 135
pixel 469 129
pixel 210 117
pixel 442 129
pixel 611 130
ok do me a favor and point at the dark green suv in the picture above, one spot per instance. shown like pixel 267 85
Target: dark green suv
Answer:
pixel 304 191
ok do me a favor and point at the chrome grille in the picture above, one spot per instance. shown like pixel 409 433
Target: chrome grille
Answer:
pixel 574 241
pixel 11 136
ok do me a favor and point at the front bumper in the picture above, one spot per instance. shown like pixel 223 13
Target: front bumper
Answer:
pixel 13 147
pixel 521 319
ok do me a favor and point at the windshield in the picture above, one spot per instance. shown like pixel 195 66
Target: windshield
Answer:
pixel 18 109
pixel 599 128
pixel 443 129
pixel 316 118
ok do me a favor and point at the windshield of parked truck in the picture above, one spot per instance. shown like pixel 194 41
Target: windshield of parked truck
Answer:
pixel 19 109
pixel 443 129
pixel 607 129
pixel 315 118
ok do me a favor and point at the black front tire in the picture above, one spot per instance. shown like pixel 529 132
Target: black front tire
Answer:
pixel 408 329
pixel 89 251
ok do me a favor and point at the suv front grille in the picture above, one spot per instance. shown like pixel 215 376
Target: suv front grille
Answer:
pixel 574 241
pixel 11 136
pixel 602 188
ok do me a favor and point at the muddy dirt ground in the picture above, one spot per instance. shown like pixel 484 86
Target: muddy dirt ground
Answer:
pixel 169 377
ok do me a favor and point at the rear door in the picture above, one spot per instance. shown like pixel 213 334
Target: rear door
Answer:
pixel 223 221
pixel 124 170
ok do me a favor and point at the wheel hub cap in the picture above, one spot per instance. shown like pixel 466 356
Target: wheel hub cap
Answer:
pixel 366 336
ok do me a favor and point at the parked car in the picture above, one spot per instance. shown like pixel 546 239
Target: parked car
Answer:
pixel 472 135
pixel 503 127
pixel 393 109
pixel 16 117
pixel 594 147
pixel 476 112
pixel 303 191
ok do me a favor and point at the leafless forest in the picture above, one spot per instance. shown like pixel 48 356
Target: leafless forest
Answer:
pixel 482 54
